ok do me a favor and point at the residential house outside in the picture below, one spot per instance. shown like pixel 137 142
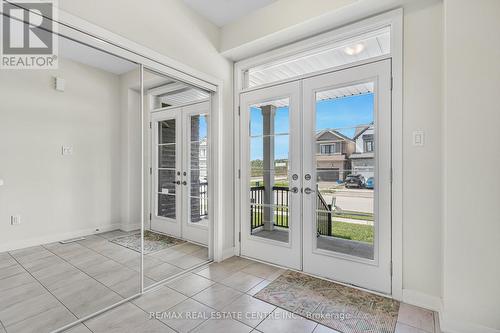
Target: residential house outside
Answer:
pixel 362 160
pixel 332 155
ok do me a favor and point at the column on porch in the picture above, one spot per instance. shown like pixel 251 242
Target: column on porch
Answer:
pixel 268 114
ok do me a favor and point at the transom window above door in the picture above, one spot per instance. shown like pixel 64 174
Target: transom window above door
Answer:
pixel 365 46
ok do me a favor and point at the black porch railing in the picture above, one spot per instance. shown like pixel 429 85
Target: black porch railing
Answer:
pixel 280 209
pixel 323 215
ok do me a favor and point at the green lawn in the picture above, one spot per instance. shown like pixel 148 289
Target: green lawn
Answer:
pixel 357 232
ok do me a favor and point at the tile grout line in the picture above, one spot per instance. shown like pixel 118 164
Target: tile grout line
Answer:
pixel 43 287
pixel 187 297
pixel 234 300
pixel 246 293
pixel 93 278
pixel 79 269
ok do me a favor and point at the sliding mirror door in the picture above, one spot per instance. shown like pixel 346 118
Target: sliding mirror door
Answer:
pixel 70 188
pixel 177 177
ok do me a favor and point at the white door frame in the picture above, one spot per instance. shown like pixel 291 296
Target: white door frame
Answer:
pixel 393 19
pixel 78 29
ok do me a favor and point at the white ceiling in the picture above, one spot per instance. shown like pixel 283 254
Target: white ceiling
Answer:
pixel 222 12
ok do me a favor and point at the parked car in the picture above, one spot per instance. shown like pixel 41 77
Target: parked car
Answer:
pixel 355 181
pixel 369 183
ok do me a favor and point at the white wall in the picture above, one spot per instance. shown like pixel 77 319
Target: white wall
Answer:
pixel 171 28
pixel 275 17
pixel 472 185
pixel 422 166
pixel 58 196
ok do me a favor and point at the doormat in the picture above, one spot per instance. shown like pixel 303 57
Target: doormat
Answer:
pixel 153 242
pixel 341 308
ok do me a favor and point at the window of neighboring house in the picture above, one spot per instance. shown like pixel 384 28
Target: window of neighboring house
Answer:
pixel 331 148
pixel 369 146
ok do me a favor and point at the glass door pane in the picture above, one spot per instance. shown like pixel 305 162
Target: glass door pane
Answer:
pixel 269 161
pixel 166 148
pixel 345 169
pixel 198 192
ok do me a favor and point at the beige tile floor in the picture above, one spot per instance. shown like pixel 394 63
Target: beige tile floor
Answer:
pixel 197 301
pixel 216 298
pixel 46 287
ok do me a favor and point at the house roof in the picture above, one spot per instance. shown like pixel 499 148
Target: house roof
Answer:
pixel 333 132
pixel 361 129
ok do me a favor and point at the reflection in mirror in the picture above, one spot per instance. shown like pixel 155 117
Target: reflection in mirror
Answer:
pixel 73 246
pixel 269 184
pixel 176 236
pixel 345 170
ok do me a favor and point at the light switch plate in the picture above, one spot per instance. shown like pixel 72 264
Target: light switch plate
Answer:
pixel 418 138
pixel 67 150
pixel 15 220
pixel 60 84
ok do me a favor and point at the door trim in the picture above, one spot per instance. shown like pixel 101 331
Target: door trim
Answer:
pixel 394 19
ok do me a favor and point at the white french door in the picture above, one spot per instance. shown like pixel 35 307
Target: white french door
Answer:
pixel 166 178
pixel 180 172
pixel 270 220
pixel 335 175
pixel 351 241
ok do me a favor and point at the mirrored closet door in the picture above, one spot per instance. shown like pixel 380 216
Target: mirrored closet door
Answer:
pixel 73 244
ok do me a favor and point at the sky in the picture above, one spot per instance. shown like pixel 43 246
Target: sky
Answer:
pixel 343 114
pixel 202 119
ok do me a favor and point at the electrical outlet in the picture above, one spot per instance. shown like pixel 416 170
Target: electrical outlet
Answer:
pixel 15 220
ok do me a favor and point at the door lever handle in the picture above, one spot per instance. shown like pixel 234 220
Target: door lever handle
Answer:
pixel 294 189
pixel 307 190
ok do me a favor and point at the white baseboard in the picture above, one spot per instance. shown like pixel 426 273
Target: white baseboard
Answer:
pixel 20 244
pixel 454 325
pixel 227 253
pixel 422 300
pixel 446 324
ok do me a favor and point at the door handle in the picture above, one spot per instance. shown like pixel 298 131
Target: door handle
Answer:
pixel 295 189
pixel 184 183
pixel 307 190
